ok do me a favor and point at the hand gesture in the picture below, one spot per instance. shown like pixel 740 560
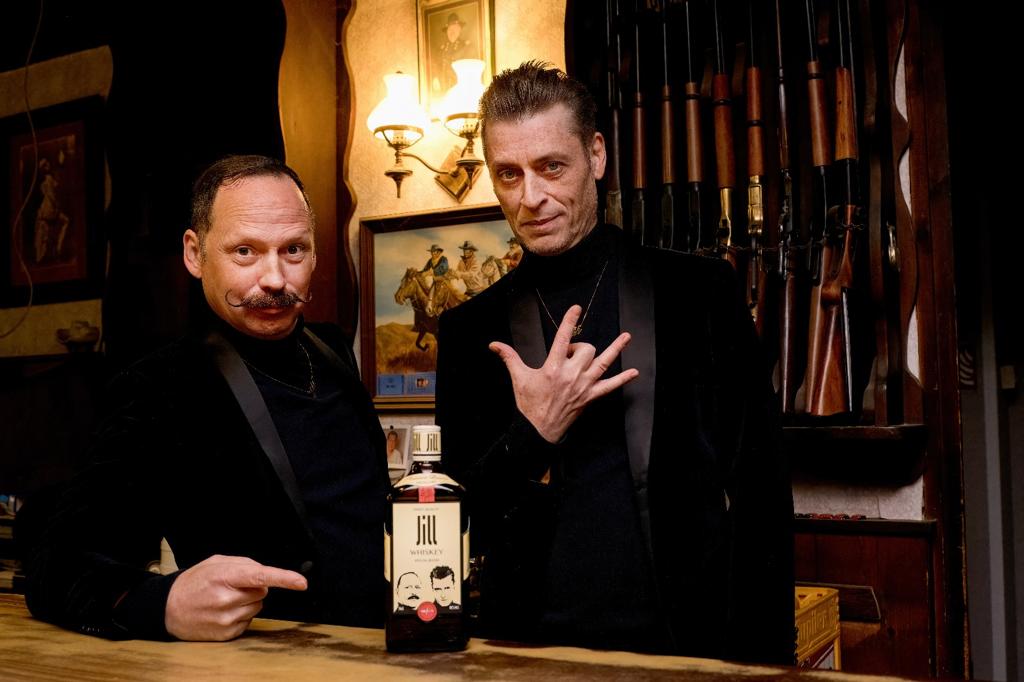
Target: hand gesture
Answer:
pixel 217 598
pixel 552 397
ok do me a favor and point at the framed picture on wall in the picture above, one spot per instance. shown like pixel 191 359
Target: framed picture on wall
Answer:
pixel 52 204
pixel 398 450
pixel 449 30
pixel 412 268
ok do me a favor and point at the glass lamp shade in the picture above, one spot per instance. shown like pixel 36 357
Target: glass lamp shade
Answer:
pixel 399 116
pixel 459 107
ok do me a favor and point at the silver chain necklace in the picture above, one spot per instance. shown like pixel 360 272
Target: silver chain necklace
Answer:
pixel 577 329
pixel 311 389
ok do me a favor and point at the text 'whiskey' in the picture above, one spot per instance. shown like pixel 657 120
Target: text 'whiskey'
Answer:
pixel 426 554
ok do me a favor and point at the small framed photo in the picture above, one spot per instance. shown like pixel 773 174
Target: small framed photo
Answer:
pixel 412 268
pixel 53 204
pixel 398 438
pixel 449 30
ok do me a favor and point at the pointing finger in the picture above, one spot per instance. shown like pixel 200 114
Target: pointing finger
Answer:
pixel 265 576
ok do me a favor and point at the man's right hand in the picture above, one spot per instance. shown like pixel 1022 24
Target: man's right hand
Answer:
pixel 215 600
pixel 552 397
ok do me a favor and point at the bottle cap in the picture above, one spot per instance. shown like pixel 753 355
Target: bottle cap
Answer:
pixel 426 442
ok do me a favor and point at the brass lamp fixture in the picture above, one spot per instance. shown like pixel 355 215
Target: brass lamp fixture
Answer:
pixel 400 121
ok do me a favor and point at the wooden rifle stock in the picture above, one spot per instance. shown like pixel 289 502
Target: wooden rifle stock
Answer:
pixel 755 190
pixel 725 160
pixel 817 331
pixel 694 139
pixel 613 185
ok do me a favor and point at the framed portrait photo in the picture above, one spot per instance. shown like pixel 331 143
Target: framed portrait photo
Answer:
pixel 449 30
pixel 398 450
pixel 53 204
pixel 412 268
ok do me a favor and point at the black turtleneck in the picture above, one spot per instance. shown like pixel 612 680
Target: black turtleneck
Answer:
pixel 331 454
pixel 598 588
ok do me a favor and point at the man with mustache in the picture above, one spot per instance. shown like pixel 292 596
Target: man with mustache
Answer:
pixel 250 445
pixel 408 590
pixel 623 461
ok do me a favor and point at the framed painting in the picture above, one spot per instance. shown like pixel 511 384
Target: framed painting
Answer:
pixel 412 268
pixel 53 204
pixel 449 30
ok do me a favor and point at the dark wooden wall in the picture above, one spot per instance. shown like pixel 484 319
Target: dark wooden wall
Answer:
pixel 889 561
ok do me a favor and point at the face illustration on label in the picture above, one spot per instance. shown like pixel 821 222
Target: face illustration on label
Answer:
pixel 443 590
pixel 442 581
pixel 410 591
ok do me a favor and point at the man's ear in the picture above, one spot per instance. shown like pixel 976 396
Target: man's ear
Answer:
pixel 598 156
pixel 192 254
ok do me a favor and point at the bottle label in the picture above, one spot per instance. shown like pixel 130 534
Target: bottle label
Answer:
pixel 431 479
pixel 426 559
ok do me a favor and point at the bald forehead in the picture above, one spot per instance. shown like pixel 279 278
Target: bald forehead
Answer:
pixel 265 198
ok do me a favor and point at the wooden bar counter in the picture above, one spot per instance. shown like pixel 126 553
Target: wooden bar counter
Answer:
pixel 281 650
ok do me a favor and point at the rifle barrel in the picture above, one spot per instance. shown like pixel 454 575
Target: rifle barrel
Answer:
pixel 786 264
pixel 721 95
pixel 694 138
pixel 668 172
pixel 639 155
pixel 755 188
pixel 613 186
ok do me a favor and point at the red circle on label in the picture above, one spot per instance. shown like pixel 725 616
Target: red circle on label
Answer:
pixel 427 611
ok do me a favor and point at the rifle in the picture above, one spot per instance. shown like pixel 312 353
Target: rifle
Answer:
pixel 725 161
pixel 639 157
pixel 821 159
pixel 694 140
pixel 833 392
pixel 786 264
pixel 668 172
pixel 755 169
pixel 613 193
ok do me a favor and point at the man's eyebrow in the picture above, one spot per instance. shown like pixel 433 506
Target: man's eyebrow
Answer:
pixel 552 156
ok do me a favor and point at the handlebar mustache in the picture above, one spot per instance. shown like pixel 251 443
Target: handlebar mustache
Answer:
pixel 285 299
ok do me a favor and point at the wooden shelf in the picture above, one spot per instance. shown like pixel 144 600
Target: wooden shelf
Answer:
pixel 863 527
pixel 887 455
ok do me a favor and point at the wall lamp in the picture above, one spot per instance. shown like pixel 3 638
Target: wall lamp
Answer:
pixel 400 121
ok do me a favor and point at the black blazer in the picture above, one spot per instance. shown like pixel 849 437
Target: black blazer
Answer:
pixel 175 457
pixel 704 448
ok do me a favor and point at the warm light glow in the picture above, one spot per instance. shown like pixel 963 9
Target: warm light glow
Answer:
pixel 459 107
pixel 399 114
pixel 400 121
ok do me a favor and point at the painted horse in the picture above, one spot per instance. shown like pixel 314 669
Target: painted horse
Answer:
pixel 415 288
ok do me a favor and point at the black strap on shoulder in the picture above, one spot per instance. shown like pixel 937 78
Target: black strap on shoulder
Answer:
pixel 233 368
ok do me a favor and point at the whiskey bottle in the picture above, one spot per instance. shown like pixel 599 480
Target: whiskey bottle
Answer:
pixel 426 554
